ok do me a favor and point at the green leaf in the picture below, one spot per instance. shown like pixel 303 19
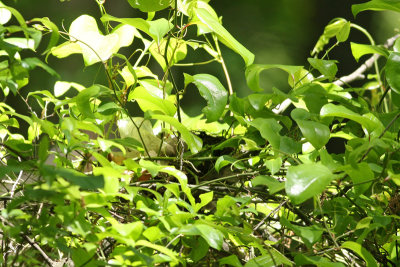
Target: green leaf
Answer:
pixel 156 29
pixel 34 62
pixel 149 5
pixel 213 91
pixel 194 143
pixel 199 250
pixel 316 133
pixel 148 101
pixel 327 68
pixel 393 70
pixel 231 260
pixel 362 252
pixel 360 50
pixel 271 257
pixel 306 181
pixel 223 35
pixel 331 110
pixel 204 200
pixel 376 5
pixel 153 234
pixel 339 28
pixel 360 174
pixel 274 165
pixel 44 146
pixel 273 184
pixel 302 259
pixel 55 35
pixel 309 234
pixel 177 50
pixel 84 97
pixel 269 130
pixel 213 236
pixel 253 74
pixel 85 182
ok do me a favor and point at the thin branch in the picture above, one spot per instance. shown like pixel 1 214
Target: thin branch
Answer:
pixel 359 73
pixel 47 259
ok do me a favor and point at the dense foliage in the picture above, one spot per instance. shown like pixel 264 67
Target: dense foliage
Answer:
pixel 253 181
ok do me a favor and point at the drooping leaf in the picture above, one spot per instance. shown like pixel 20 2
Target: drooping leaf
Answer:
pixel 223 35
pixel 316 133
pixel 339 28
pixel 253 74
pixel 360 50
pixel 148 101
pixel 318 261
pixel 376 5
pixel 392 71
pixel 309 234
pixel 84 97
pixel 269 130
pixel 149 5
pixel 194 143
pixel 85 182
pixel 231 260
pixel 213 91
pixel 156 29
pixel 212 236
pixel 55 35
pixel 327 68
pixel 361 175
pixel 362 252
pixel 273 184
pixel 306 181
pixel 331 110
pixel 271 258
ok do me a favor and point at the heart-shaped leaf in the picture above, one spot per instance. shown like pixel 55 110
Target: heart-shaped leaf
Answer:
pixel 94 46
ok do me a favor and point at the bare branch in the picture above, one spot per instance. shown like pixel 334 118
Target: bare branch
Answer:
pixel 358 74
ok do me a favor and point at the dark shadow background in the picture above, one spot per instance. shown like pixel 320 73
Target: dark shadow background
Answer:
pixel 277 32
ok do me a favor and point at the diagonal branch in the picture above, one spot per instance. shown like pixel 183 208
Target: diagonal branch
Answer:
pixel 358 74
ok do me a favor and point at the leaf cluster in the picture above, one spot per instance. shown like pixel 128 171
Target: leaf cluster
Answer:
pixel 252 181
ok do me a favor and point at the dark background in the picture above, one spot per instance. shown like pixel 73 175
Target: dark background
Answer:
pixel 277 32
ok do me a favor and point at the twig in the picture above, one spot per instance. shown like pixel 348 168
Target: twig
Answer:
pixel 269 214
pixel 358 74
pixel 47 259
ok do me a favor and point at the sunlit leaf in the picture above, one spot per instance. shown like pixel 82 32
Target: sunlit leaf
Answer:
pixel 306 181
pixel 360 50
